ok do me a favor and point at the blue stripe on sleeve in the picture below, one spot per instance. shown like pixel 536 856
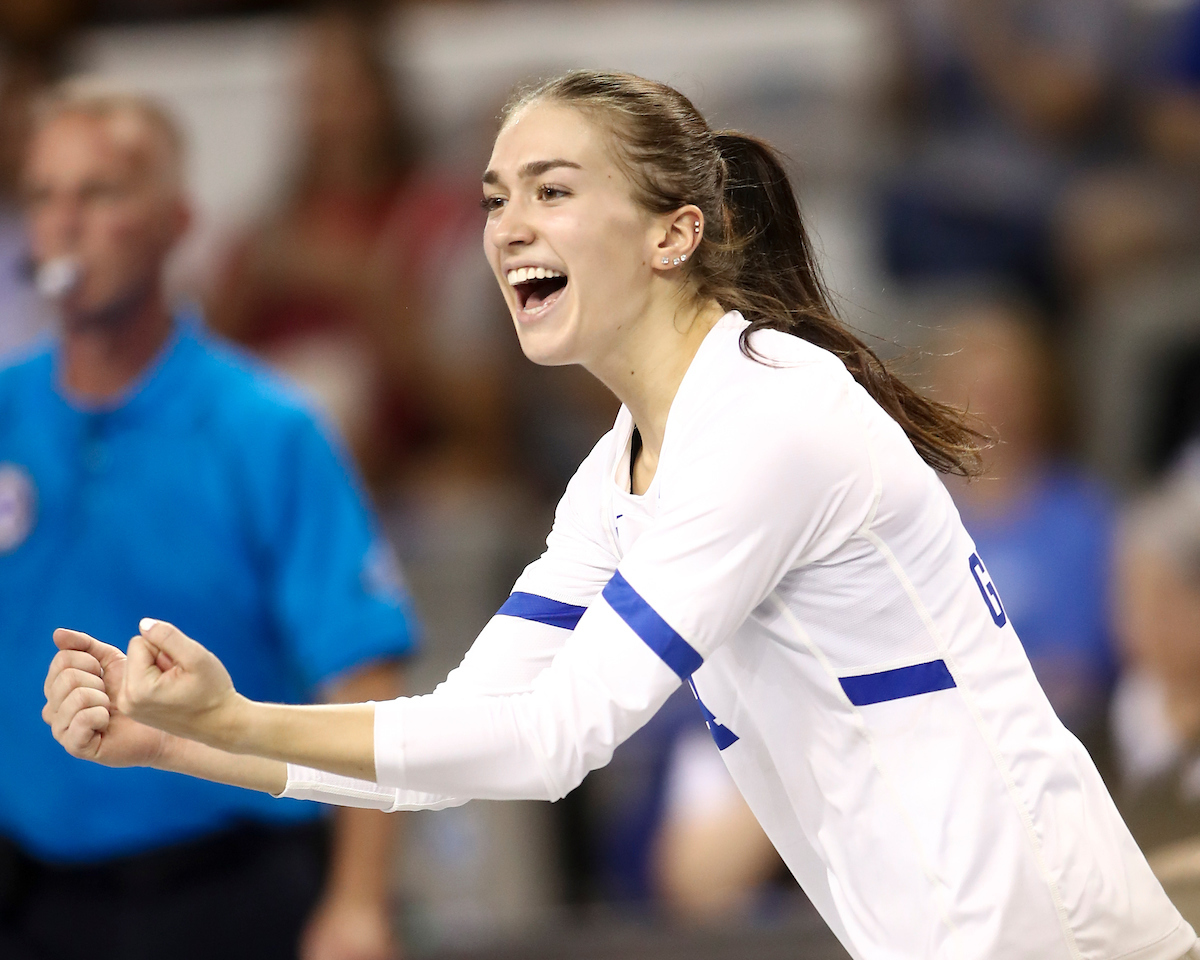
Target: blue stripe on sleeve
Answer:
pixel 642 619
pixel 529 606
pixel 897 684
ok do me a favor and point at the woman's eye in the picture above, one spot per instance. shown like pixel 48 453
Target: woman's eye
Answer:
pixel 491 203
pixel 547 192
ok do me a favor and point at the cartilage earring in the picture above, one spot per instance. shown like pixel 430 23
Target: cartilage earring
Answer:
pixel 697 226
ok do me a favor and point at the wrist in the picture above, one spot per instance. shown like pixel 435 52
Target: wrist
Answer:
pixel 168 755
pixel 229 726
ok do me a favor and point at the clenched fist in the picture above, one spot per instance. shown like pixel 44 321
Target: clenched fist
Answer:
pixel 82 689
pixel 175 684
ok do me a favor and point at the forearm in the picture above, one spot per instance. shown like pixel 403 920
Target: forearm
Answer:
pixel 602 686
pixel 339 738
pixel 209 763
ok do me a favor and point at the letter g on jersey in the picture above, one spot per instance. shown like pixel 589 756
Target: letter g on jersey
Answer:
pixel 18 506
pixel 988 589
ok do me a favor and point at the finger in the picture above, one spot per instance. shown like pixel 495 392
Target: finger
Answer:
pixel 81 698
pixel 161 660
pixel 69 680
pixel 70 660
pixel 80 736
pixel 141 675
pixel 170 640
pixel 105 653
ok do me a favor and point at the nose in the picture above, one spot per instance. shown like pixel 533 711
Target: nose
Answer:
pixel 511 226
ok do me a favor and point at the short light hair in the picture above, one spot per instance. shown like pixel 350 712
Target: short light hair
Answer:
pixel 95 99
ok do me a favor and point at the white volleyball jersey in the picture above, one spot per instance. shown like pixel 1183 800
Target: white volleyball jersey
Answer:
pixel 798 564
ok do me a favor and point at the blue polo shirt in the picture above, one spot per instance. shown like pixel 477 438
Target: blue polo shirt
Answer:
pixel 207 496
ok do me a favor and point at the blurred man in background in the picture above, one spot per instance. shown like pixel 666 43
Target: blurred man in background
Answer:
pixel 144 467
pixel 1042 524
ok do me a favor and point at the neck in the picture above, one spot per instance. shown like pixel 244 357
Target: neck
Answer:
pixel 647 367
pixel 100 359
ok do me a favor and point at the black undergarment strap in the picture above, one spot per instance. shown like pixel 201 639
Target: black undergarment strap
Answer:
pixel 635 447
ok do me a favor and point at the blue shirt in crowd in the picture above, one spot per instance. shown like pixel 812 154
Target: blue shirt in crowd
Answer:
pixel 209 497
pixel 1050 556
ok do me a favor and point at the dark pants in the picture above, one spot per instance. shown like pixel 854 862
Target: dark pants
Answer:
pixel 244 893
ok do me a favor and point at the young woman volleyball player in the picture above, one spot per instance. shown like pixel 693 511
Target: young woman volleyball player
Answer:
pixel 763 522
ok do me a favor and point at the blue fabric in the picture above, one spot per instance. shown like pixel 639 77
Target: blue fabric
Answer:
pixel 722 736
pixel 529 606
pixel 643 620
pixel 1050 558
pixel 1183 56
pixel 911 681
pixel 208 497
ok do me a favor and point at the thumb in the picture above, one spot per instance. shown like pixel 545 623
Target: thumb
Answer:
pixel 166 639
pixel 141 674
pixel 104 653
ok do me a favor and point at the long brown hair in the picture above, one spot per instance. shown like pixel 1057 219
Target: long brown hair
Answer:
pixel 756 256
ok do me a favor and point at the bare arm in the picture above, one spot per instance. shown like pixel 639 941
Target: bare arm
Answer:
pixel 208 763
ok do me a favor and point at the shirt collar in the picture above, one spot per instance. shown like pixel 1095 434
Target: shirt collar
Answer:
pixel 154 388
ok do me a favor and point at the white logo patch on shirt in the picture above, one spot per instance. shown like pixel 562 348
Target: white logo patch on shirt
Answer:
pixel 18 506
pixel 381 573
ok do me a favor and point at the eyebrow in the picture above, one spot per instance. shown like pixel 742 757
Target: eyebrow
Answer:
pixel 533 169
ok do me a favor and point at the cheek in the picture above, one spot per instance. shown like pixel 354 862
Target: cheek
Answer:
pixel 122 234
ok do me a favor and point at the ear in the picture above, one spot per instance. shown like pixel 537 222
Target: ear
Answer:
pixel 677 235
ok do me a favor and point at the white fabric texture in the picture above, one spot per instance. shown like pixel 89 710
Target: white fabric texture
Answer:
pixel 796 558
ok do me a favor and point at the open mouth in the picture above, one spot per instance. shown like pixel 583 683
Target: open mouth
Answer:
pixel 536 287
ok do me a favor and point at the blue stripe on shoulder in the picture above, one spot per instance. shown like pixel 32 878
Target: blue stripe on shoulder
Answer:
pixel 897 684
pixel 529 606
pixel 643 620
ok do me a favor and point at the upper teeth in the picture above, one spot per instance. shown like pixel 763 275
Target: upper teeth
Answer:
pixel 522 274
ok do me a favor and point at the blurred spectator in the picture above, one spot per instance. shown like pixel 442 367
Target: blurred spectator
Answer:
pixel 663 826
pixel 148 469
pixel 1145 209
pixel 1011 97
pixel 1043 526
pixel 1156 708
pixel 23 315
pixel 366 283
pixel 711 856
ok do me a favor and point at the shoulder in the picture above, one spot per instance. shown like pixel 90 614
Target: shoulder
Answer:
pixel 30 365
pixel 25 375
pixel 783 394
pixel 245 394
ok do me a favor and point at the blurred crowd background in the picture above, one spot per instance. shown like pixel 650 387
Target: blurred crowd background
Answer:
pixel 1006 196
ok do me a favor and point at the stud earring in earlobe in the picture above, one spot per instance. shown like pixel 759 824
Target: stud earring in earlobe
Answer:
pixel 683 258
pixel 676 262
pixel 665 260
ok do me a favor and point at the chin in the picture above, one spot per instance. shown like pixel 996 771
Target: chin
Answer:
pixel 547 348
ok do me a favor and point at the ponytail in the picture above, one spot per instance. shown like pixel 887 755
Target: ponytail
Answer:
pixel 778 286
pixel 756 256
